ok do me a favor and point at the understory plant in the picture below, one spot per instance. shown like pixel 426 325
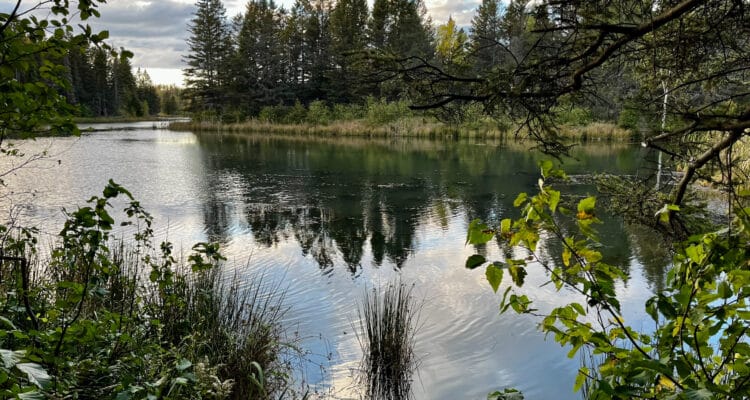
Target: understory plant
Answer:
pixel 98 318
pixel 699 347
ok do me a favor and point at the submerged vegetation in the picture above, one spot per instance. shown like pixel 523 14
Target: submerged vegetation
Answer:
pixel 388 323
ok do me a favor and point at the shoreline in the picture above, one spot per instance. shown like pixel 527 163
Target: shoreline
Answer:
pixel 408 127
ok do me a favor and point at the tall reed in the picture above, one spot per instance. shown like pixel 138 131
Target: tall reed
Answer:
pixel 388 321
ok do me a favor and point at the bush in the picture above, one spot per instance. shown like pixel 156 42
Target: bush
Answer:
pixel 381 112
pixel 103 320
pixel 297 114
pixel 318 113
pixel 629 119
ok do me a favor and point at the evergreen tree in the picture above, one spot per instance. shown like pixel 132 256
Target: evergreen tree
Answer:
pixel 401 27
pixel 124 90
pixel 317 50
pixel 258 61
pixel 348 40
pixel 102 101
pixel 147 93
pixel 486 35
pixel 209 45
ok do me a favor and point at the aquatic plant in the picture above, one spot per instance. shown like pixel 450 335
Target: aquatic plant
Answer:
pixel 388 321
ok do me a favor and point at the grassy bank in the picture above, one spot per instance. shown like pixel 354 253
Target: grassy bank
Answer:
pixel 96 318
pixel 124 119
pixel 407 127
pixel 380 118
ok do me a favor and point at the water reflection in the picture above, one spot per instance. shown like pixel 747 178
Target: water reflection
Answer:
pixel 350 197
pixel 333 218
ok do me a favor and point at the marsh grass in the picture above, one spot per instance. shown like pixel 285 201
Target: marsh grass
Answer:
pixel 228 325
pixel 388 321
pixel 239 329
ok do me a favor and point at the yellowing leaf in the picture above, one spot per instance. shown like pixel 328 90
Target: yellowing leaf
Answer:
pixel 665 382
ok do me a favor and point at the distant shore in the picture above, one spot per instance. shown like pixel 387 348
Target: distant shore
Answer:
pixel 408 127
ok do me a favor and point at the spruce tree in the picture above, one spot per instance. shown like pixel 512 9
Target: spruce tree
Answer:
pixel 209 50
pixel 258 61
pixel 349 40
pixel 486 35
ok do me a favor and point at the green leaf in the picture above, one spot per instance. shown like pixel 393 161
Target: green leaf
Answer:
pixel 8 323
pixel 587 205
pixel 546 166
pixel 475 261
pixel 724 290
pixel 479 233
pixel 494 276
pixel 517 273
pixel 184 364
pixel 554 199
pixel 32 396
pixel 11 358
pixel 505 225
pixel 581 378
pixel 507 394
pixel 698 394
pixel 520 199
pixel 36 374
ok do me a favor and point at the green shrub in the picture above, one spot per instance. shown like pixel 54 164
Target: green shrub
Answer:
pixel 97 320
pixel 297 114
pixel 629 119
pixel 318 113
pixel 381 112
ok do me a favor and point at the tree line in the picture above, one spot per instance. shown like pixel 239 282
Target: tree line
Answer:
pixel 103 84
pixel 337 52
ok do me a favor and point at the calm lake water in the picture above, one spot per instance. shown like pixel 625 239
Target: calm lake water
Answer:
pixel 331 219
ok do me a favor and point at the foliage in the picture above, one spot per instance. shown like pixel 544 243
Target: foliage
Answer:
pixel 207 74
pixel 698 348
pixel 33 79
pixel 124 322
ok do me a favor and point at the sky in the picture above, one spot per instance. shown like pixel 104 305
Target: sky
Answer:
pixel 156 30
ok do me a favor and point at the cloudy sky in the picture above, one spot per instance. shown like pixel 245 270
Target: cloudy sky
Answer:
pixel 156 30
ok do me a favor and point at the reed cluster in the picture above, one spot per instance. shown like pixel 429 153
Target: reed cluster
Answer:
pixel 388 321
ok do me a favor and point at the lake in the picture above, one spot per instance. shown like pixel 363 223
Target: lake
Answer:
pixel 334 218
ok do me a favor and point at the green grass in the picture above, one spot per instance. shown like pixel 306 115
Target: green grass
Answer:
pixel 122 320
pixel 388 320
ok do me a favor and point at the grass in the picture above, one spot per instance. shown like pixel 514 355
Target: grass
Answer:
pixel 388 322
pixel 596 131
pixel 123 119
pixel 404 127
pixel 200 332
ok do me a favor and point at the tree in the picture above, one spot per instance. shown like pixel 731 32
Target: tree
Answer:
pixel 451 43
pixel 258 61
pixel 349 39
pixel 32 83
pixel 400 33
pixel 209 53
pixel 693 50
pixel 486 34
pixel 698 347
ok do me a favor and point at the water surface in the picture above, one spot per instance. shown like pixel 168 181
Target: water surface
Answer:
pixel 334 218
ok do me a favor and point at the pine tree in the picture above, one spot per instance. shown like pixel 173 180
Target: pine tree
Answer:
pixel 486 35
pixel 317 50
pixel 209 45
pixel 258 61
pixel 349 39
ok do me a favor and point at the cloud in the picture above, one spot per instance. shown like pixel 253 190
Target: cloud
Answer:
pixel 461 11
pixel 156 30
